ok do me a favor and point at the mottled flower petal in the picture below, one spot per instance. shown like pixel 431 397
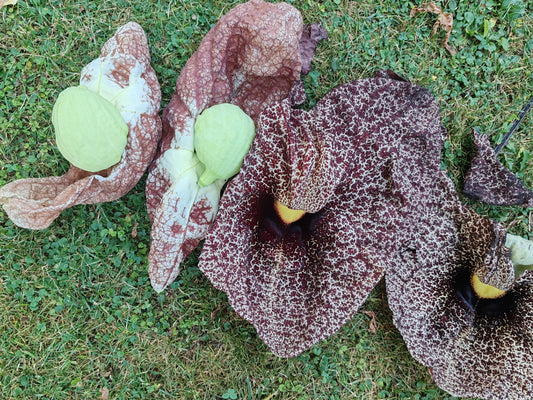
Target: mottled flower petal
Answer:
pixel 125 64
pixel 311 36
pixel 352 163
pixel 489 181
pixel 250 58
pixel 474 347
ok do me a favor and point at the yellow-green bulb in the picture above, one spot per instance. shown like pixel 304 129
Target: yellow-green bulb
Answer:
pixel 223 134
pixel 90 132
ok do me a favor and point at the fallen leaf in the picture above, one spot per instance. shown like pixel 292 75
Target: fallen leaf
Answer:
pixel 372 326
pixel 107 374
pixel 105 393
pixel 215 312
pixel 7 3
pixel 134 232
pixel 445 21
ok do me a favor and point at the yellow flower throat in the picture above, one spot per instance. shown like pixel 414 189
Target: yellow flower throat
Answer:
pixel 286 214
pixel 485 291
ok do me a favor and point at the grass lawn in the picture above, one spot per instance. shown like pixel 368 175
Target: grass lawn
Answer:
pixel 78 318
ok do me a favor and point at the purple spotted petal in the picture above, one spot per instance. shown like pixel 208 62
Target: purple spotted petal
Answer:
pixel 489 181
pixel 351 163
pixel 474 347
pixel 365 163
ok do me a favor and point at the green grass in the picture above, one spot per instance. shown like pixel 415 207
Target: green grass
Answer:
pixel 77 313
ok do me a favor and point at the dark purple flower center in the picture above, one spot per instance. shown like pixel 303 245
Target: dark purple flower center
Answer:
pixel 279 239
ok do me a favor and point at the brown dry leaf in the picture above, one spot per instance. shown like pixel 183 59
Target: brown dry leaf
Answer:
pixel 7 3
pixel 372 325
pixel 134 232
pixel 104 393
pixel 445 21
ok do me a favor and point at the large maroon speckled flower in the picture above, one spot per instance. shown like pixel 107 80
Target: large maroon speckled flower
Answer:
pixel 474 345
pixel 341 163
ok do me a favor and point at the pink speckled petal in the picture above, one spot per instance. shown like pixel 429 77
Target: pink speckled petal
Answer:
pixel 34 203
pixel 250 58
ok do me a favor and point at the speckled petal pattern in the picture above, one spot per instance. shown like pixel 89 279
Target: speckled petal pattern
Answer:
pixel 489 181
pixel 365 164
pixel 351 163
pixel 35 203
pixel 250 58
pixel 471 348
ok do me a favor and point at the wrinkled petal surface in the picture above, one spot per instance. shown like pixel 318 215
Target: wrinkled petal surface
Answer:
pixel 250 58
pixel 124 64
pixel 489 181
pixel 349 163
pixel 474 347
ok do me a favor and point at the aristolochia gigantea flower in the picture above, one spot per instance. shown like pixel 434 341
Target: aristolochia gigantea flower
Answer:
pixel 305 230
pixel 461 291
pixel 329 200
pixel 229 67
pixel 460 309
